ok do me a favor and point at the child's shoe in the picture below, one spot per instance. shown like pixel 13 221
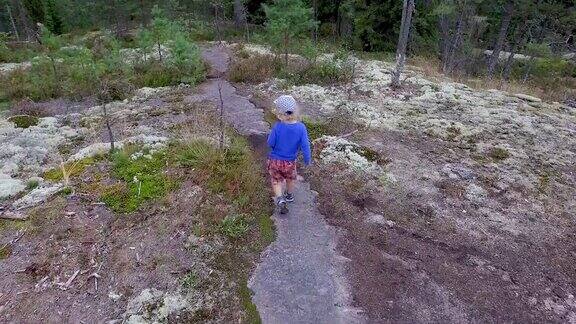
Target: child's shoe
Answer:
pixel 289 197
pixel 282 205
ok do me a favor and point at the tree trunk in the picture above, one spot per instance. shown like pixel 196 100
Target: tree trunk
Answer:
pixel 145 13
pixel 239 14
pixel 344 23
pixel 528 68
pixel 444 26
pixel 12 21
pixel 217 22
pixel 24 20
pixel 519 41
pixel 455 43
pixel 407 12
pixel 159 51
pixel 315 16
pixel 286 43
pixel 505 24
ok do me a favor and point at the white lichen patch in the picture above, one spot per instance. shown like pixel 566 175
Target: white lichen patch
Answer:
pixel 148 142
pixel 340 150
pixel 25 149
pixel 154 306
pixel 10 187
pixel 6 68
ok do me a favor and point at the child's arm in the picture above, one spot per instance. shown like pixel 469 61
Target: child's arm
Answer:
pixel 305 146
pixel 272 137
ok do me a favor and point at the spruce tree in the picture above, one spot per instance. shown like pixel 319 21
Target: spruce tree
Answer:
pixel 52 18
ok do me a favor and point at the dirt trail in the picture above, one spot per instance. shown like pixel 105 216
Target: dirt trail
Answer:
pixel 301 277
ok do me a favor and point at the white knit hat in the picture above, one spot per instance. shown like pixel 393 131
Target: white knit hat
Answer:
pixel 285 104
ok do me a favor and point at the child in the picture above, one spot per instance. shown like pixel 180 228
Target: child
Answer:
pixel 286 138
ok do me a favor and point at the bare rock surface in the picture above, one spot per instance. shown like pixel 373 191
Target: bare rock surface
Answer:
pixel 301 277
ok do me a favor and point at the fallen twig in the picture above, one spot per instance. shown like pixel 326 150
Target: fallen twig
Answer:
pixel 348 134
pixel 13 215
pixel 67 284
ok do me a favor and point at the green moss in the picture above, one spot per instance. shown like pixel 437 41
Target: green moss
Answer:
pixel 5 252
pixel 24 121
pixel 252 315
pixel 499 153
pixel 266 227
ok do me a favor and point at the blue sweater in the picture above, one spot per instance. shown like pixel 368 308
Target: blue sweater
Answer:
pixel 286 139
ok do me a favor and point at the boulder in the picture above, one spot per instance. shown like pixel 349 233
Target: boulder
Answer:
pixel 10 187
pixel 527 97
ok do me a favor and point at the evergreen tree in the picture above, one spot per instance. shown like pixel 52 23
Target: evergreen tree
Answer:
pixel 286 20
pixel 160 30
pixel 35 10
pixel 52 18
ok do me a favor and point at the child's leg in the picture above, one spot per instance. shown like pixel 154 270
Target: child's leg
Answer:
pixel 277 188
pixel 290 183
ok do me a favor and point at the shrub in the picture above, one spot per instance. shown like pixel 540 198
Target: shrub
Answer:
pixel 254 69
pixel 322 73
pixel 37 84
pixel 187 60
pixel 24 121
pixel 27 107
pixel 155 74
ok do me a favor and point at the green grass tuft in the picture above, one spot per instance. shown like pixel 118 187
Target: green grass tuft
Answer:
pixel 32 184
pixel 499 153
pixel 234 226
pixel 73 169
pixel 190 280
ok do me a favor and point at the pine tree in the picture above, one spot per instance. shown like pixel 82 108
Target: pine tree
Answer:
pixel 286 20
pixel 160 29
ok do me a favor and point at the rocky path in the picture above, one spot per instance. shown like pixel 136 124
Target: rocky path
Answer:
pixel 301 277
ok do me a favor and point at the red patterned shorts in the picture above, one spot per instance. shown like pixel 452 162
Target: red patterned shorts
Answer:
pixel 280 170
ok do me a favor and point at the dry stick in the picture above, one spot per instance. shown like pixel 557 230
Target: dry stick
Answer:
pixel 9 10
pixel 221 115
pixel 110 134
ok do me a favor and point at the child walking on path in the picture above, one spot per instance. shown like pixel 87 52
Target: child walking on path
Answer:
pixel 287 137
